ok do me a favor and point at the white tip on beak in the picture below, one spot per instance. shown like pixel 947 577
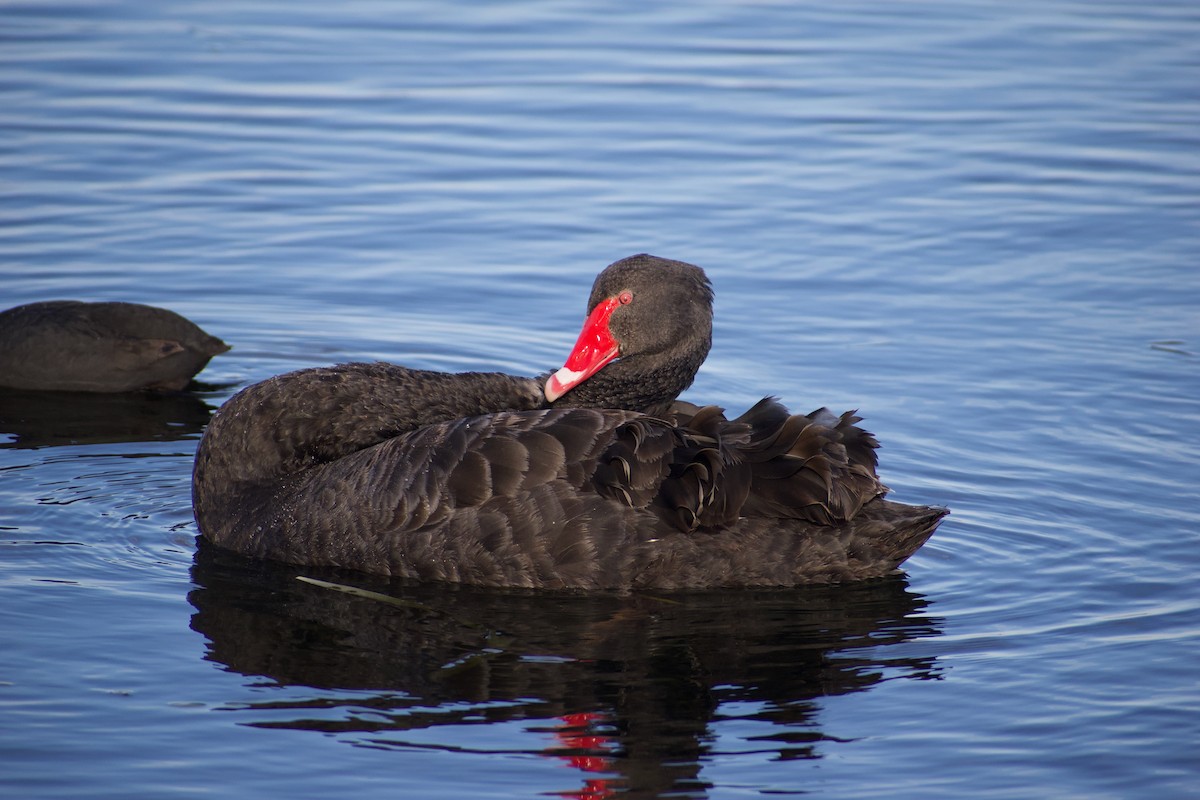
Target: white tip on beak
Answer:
pixel 560 382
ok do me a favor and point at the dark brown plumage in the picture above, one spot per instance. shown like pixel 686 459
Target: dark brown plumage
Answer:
pixel 66 345
pixel 477 478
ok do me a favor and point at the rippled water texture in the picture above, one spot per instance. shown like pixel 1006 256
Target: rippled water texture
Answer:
pixel 976 223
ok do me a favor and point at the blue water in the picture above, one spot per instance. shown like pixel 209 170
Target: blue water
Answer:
pixel 977 223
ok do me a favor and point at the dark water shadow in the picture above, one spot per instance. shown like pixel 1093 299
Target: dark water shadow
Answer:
pixel 30 419
pixel 626 688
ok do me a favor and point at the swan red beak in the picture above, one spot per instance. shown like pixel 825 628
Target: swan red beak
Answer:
pixel 595 347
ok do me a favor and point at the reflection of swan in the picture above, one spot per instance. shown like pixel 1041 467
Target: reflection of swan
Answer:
pixel 43 419
pixel 652 670
pixel 66 345
pixel 600 481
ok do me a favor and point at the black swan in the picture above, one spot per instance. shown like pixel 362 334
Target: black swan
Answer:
pixel 66 345
pixel 599 480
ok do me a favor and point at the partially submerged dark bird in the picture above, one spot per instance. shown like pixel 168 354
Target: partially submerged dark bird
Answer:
pixel 66 345
pixel 601 479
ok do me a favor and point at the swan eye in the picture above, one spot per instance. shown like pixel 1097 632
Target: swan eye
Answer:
pixel 625 298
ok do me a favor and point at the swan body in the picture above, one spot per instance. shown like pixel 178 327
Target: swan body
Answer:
pixel 67 345
pixel 595 478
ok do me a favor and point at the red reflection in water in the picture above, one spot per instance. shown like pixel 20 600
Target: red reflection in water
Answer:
pixel 585 750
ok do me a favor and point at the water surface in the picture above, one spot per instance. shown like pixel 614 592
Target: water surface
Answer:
pixel 976 223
